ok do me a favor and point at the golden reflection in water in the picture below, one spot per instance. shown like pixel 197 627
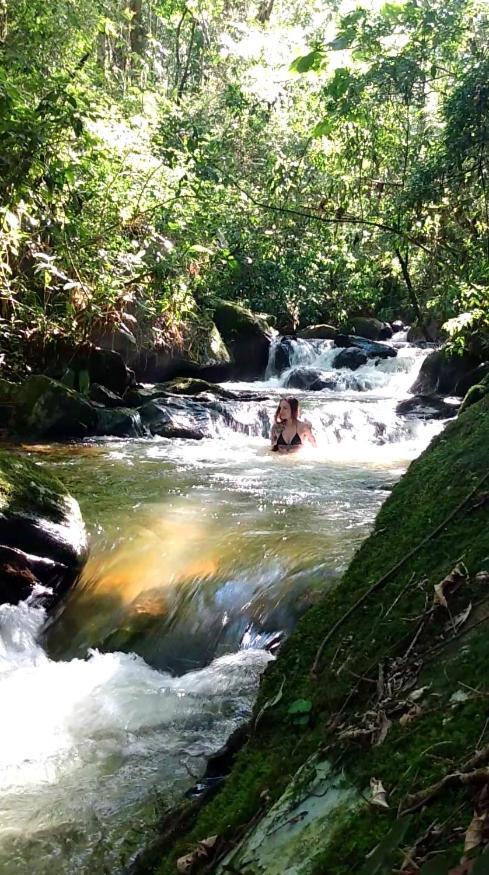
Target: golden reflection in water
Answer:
pixel 158 552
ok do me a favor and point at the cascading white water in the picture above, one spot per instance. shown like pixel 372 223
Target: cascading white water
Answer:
pixel 88 745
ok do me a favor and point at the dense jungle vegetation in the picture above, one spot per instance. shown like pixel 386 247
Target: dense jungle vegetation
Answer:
pixel 311 160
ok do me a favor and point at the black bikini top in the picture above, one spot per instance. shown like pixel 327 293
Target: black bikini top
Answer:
pixel 281 442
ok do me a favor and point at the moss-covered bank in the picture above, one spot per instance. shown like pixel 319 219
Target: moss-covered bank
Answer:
pixel 395 641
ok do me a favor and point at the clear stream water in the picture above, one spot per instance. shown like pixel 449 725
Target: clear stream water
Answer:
pixel 202 552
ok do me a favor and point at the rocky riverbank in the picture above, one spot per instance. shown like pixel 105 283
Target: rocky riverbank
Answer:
pixel 43 542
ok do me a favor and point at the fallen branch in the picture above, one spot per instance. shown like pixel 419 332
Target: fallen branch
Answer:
pixel 470 773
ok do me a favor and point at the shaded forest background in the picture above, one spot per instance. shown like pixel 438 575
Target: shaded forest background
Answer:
pixel 310 160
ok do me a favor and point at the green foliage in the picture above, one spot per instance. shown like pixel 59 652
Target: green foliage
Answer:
pixel 154 155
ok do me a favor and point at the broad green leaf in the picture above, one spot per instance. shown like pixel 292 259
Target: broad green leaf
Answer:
pixel 323 129
pixel 300 706
pixel 312 61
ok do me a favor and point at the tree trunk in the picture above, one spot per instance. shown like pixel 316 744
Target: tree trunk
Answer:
pixel 403 261
pixel 183 80
pixel 137 32
pixel 264 11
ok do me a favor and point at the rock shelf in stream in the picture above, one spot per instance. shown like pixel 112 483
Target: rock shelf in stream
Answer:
pixel 42 536
pixel 45 409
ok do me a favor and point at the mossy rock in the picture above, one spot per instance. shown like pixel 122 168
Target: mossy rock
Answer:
pixel 246 335
pixel 369 327
pixel 436 516
pixel 49 409
pixel 318 332
pixel 476 393
pixel 442 371
pixel 194 386
pixel 233 320
pixel 42 536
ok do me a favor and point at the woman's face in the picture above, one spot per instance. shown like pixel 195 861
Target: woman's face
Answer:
pixel 284 410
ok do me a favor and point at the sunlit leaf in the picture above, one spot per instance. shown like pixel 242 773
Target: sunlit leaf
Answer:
pixel 313 61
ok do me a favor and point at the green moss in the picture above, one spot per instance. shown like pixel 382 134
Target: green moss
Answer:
pixel 475 394
pixel 193 386
pixel 25 488
pixel 233 320
pixel 414 755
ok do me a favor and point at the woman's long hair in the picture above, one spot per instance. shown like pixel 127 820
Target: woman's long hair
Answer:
pixel 294 409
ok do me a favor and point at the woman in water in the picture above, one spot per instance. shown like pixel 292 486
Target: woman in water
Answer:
pixel 288 432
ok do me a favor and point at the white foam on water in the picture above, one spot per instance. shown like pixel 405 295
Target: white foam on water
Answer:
pixel 90 740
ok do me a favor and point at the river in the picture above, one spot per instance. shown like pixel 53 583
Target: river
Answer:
pixel 203 554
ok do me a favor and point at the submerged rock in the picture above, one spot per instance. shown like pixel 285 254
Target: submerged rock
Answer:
pixel 427 407
pixel 352 357
pixel 42 535
pixel 371 348
pixel 309 379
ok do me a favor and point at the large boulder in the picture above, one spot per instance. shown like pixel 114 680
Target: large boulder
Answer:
pixel 42 536
pixel 369 327
pixel 246 336
pixel 309 379
pixel 173 419
pixel 104 396
pixel 351 357
pixel 318 332
pixel 85 364
pixel 427 407
pixel 442 372
pixel 119 421
pixel 195 386
pixel 429 333
pixel 8 392
pixel 371 348
pixel 46 409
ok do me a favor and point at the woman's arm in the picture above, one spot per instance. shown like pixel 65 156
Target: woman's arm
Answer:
pixel 274 434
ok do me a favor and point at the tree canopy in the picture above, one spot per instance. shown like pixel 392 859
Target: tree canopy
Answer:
pixel 312 160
